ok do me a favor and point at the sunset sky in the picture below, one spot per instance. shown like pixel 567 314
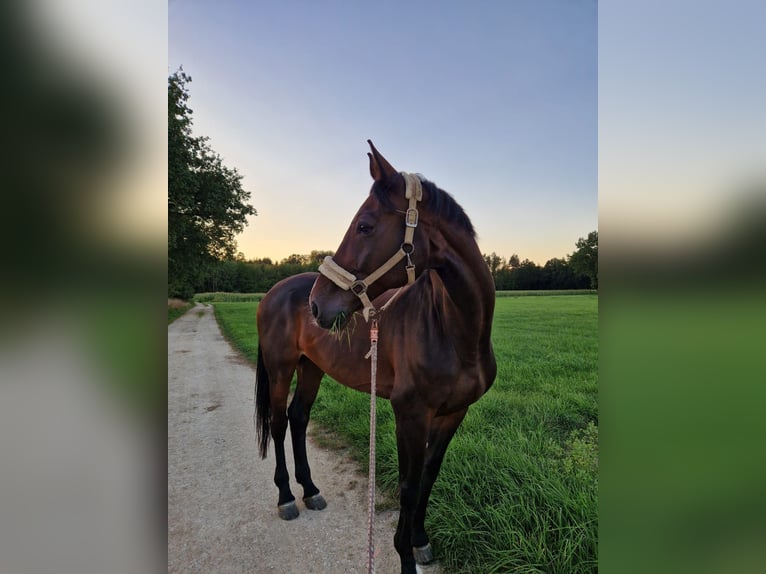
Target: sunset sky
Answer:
pixel 496 104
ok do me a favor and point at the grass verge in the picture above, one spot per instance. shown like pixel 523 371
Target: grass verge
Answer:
pixel 176 308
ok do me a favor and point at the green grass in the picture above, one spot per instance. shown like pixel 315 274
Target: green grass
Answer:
pixel 546 293
pixel 221 297
pixel 518 488
pixel 237 321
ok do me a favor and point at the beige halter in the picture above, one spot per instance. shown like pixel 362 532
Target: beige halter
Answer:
pixel 346 280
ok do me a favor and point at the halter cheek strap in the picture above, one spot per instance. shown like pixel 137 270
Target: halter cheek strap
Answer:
pixel 346 280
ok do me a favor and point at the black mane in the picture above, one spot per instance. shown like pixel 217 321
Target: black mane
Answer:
pixel 436 201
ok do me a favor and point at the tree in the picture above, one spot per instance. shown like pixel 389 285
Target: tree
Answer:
pixel 527 275
pixel 584 261
pixel 295 259
pixel 557 274
pixel 317 257
pixel 207 205
pixel 495 263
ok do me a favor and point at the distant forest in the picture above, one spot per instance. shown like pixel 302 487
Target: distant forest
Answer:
pixel 576 271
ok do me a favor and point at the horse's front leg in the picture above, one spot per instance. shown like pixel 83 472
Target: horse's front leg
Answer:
pixel 309 377
pixel 411 434
pixel 442 430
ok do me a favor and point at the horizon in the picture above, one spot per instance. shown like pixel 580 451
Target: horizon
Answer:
pixel 505 257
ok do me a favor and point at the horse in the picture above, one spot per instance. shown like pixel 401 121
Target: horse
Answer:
pixel 434 317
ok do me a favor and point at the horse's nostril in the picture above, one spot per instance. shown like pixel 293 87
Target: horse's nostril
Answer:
pixel 314 310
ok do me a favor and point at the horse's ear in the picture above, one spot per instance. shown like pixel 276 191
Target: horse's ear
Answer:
pixel 379 168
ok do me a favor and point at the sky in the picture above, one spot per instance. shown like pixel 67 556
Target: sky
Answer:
pixel 495 102
pixel 681 118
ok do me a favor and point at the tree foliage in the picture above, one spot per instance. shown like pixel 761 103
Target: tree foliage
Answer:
pixel 584 261
pixel 207 205
pixel 259 275
pixel 576 271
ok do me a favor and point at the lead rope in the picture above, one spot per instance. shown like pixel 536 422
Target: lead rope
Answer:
pixel 373 354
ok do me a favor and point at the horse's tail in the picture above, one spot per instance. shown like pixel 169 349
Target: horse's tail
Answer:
pixel 262 406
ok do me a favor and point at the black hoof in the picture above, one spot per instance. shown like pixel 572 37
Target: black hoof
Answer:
pixel 423 555
pixel 316 502
pixel 288 510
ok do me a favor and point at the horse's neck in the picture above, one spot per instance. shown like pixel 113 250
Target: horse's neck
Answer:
pixel 467 280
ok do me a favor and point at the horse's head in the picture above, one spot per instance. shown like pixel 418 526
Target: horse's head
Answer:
pixel 383 247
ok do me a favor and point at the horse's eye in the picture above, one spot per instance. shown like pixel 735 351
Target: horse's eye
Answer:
pixel 364 228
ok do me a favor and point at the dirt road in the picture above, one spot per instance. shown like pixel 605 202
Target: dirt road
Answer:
pixel 222 515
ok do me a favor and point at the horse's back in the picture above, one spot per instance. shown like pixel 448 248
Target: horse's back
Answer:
pixel 295 284
pixel 286 295
pixel 283 308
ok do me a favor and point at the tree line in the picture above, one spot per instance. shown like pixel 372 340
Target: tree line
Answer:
pixel 578 270
pixel 257 275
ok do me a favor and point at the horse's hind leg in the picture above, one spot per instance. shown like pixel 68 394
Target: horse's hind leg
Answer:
pixel 309 377
pixel 279 389
pixel 439 436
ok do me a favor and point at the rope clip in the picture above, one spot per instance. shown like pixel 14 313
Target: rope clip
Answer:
pixel 374 331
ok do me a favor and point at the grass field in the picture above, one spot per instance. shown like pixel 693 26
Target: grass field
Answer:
pixel 220 297
pixel 545 293
pixel 518 488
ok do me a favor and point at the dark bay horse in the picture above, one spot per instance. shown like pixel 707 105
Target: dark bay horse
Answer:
pixel 435 354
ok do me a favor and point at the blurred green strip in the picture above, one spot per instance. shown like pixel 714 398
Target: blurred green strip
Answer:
pixel 683 401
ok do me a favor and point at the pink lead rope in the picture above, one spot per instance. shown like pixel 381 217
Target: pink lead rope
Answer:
pixel 371 485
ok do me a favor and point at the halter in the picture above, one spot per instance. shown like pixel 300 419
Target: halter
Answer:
pixel 346 280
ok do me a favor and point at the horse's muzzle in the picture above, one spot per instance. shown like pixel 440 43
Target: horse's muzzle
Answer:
pixel 331 306
pixel 333 321
pixel 322 321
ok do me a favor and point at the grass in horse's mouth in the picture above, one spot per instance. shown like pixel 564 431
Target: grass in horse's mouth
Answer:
pixel 339 323
pixel 342 327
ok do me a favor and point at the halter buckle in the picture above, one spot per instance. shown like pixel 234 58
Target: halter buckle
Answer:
pixel 411 217
pixel 358 288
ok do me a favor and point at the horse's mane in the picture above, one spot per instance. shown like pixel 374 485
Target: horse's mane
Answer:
pixel 436 200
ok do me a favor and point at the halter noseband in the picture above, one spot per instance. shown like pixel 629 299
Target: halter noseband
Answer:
pixel 346 280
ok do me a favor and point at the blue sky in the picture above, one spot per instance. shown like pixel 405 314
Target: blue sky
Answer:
pixel 495 102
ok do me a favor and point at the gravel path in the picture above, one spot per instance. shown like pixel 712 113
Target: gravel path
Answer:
pixel 222 515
